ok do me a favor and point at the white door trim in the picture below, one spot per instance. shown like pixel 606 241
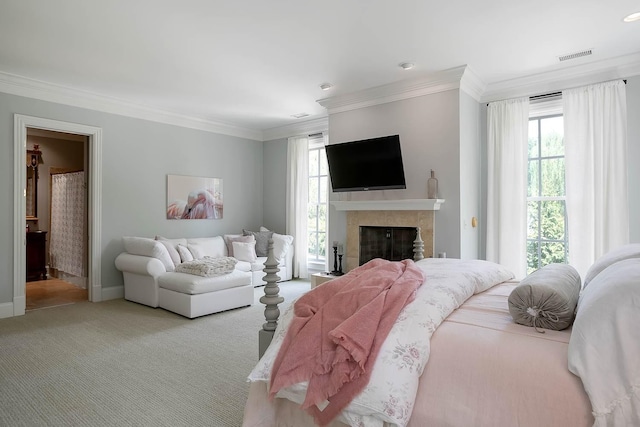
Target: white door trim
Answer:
pixel 21 123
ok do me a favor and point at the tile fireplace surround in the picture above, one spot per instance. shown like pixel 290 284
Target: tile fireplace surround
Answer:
pixel 401 213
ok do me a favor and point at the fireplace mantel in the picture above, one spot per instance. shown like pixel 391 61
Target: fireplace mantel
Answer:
pixel 389 205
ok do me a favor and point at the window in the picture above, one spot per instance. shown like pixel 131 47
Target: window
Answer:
pixel 318 203
pixel 546 209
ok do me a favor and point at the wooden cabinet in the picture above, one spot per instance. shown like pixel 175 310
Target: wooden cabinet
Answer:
pixel 36 255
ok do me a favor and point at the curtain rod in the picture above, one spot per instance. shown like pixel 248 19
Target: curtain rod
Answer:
pixel 550 94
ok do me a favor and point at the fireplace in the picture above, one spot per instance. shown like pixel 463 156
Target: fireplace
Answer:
pixel 390 243
pixel 409 219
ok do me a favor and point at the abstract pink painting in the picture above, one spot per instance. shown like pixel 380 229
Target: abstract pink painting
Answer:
pixel 190 197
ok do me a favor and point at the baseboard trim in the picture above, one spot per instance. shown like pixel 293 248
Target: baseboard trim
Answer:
pixel 6 310
pixel 112 292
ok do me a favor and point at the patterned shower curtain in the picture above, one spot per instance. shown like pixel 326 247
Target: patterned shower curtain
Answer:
pixel 67 242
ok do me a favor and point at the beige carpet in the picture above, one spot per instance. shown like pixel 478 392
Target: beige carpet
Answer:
pixel 118 363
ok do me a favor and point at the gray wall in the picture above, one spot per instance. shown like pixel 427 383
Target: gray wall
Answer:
pixel 137 155
pixel 430 139
pixel 275 185
pixel 470 159
pixel 633 138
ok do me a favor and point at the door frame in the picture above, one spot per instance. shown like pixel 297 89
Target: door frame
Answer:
pixel 94 224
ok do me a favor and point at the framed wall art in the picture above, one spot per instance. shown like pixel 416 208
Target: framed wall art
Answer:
pixel 191 197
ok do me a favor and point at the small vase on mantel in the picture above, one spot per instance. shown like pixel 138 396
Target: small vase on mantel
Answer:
pixel 432 186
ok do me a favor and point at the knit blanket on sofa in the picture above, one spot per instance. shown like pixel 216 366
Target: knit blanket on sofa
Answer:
pixel 208 266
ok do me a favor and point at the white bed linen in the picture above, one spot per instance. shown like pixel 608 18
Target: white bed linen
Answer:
pixel 390 394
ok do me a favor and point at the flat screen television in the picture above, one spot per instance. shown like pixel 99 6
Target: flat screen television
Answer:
pixel 369 164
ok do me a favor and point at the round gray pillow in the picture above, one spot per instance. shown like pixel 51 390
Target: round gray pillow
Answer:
pixel 546 298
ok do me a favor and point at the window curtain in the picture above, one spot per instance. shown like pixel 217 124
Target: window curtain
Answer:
pixel 66 246
pixel 507 136
pixel 297 201
pixel 595 137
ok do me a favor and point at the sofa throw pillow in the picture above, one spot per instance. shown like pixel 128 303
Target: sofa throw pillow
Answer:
pixel 185 253
pixel 546 298
pixel 281 244
pixel 171 248
pixel 245 251
pixel 150 248
pixel 262 240
pixel 230 238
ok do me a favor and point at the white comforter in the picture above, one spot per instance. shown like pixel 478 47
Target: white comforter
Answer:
pixel 391 391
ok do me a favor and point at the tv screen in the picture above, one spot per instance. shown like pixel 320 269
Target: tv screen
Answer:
pixel 370 164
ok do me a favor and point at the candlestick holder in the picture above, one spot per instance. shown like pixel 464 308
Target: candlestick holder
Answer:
pixel 335 261
pixel 339 273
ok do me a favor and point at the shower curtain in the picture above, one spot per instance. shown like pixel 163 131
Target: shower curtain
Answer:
pixel 67 241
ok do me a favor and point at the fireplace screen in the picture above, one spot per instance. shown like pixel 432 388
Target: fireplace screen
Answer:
pixel 390 243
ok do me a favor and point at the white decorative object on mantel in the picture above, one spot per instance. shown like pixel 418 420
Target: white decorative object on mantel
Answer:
pixel 389 205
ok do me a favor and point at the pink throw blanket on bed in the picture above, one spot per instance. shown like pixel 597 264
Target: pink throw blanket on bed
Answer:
pixel 337 331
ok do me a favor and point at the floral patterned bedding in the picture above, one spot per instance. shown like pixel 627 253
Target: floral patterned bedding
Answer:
pixel 390 394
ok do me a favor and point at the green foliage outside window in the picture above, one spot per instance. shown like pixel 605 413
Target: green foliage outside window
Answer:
pixel 546 213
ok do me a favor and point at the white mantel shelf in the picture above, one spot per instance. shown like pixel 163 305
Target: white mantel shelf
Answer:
pixel 389 205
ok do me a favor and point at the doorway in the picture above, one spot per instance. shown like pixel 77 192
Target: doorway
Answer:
pixel 57 244
pixel 23 124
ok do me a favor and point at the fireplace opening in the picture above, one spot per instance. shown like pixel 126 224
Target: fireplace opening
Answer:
pixel 390 243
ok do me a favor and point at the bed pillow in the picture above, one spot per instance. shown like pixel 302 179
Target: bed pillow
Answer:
pixel 148 247
pixel 262 240
pixel 546 298
pixel 605 344
pixel 611 257
pixel 245 251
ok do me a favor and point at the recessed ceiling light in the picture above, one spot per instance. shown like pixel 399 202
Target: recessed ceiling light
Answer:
pixel 633 17
pixel 406 65
pixel 300 115
pixel 326 86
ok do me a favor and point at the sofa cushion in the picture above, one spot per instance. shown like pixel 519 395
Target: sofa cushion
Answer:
pixel 262 240
pixel 245 251
pixel 230 238
pixel 144 246
pixel 243 266
pixel 207 246
pixel 193 285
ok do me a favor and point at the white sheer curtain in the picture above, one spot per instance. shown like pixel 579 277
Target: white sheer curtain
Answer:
pixel 507 135
pixel 595 138
pixel 297 200
pixel 66 246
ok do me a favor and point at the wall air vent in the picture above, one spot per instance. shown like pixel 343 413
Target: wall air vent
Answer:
pixel 575 55
pixel 300 115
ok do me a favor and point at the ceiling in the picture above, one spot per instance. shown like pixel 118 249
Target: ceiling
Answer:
pixel 253 64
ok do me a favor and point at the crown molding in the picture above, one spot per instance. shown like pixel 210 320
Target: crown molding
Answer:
pixel 594 72
pixel 404 89
pixel 45 91
pixel 472 84
pixel 306 127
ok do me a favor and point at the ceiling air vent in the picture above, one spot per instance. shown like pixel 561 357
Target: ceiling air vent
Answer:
pixel 575 55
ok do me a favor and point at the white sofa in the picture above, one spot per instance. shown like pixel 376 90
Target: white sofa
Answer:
pixel 148 267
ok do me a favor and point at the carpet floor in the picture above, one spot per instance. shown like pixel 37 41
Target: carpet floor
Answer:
pixel 118 363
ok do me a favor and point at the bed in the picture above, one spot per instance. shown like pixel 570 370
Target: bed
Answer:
pixel 480 367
